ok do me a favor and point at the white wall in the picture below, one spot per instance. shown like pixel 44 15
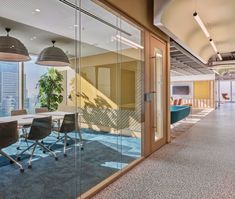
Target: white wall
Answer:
pixel 189 84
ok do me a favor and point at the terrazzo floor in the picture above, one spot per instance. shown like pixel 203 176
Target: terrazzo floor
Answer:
pixel 199 163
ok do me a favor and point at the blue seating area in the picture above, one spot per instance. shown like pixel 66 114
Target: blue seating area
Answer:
pixel 179 112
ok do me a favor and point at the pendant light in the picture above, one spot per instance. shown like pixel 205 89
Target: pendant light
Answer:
pixel 52 56
pixel 12 49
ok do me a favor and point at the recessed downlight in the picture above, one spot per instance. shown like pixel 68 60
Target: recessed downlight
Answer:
pixel 37 10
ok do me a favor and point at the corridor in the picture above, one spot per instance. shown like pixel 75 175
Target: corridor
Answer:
pixel 197 164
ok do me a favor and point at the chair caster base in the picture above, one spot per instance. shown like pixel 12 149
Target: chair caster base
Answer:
pixel 22 170
pixel 29 166
pixel 65 155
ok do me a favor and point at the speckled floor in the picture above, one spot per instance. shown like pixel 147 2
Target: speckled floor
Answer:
pixel 198 164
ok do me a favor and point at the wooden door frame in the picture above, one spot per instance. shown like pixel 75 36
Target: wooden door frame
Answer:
pixel 147 149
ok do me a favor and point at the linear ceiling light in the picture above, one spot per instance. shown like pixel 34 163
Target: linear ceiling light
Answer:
pixel 215 72
pixel 213 45
pixel 201 24
pixel 219 55
pixel 127 42
pixel 123 42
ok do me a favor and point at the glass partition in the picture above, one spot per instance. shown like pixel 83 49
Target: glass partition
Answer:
pixel 100 93
pixel 110 94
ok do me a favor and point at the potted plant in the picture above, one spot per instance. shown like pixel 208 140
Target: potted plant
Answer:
pixel 50 89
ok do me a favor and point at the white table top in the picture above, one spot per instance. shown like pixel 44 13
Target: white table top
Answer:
pixel 28 119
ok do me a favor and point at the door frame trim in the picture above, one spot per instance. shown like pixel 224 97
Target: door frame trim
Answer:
pixel 166 98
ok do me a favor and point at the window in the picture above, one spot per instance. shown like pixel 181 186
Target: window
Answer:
pixel 32 74
pixel 233 91
pixel 9 87
pixel 225 90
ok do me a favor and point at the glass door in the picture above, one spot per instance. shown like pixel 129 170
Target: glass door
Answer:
pixel 158 105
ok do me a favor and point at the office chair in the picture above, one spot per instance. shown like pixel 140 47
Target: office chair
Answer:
pixel 8 136
pixel 24 127
pixel 40 129
pixel 69 125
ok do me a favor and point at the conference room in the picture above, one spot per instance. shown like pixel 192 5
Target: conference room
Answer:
pixel 70 97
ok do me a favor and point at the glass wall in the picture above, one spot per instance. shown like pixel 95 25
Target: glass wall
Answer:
pixel 102 87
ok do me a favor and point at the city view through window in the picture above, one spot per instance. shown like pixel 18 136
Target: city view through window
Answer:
pixel 10 83
pixel 9 87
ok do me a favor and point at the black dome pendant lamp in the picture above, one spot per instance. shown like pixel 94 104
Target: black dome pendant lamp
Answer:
pixel 12 49
pixel 52 56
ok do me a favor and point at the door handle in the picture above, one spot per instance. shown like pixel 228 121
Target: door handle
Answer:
pixel 148 96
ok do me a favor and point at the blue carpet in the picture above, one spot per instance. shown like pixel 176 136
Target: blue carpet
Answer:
pixel 125 145
pixel 103 155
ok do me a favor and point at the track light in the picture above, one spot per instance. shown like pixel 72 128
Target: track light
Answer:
pixel 201 24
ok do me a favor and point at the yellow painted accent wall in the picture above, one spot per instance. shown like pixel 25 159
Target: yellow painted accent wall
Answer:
pixel 202 89
pixel 115 89
pixel 90 96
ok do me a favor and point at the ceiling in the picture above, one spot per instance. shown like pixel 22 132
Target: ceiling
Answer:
pixel 175 17
pixel 57 21
pixel 36 39
pixel 183 63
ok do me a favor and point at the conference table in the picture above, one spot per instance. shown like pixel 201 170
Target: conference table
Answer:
pixel 27 119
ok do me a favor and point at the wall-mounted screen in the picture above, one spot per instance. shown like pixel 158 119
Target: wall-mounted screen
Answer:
pixel 180 90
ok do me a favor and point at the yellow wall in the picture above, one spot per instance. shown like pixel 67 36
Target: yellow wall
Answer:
pixel 89 96
pixel 121 82
pixel 202 90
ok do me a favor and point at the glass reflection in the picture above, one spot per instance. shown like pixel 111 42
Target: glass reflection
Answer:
pixel 102 87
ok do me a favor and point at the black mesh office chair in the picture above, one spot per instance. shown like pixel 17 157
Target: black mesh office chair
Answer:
pixel 40 129
pixel 69 125
pixel 8 136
